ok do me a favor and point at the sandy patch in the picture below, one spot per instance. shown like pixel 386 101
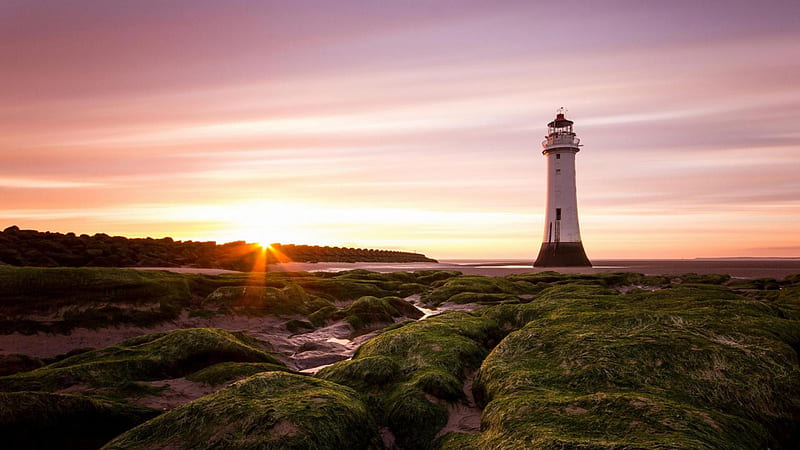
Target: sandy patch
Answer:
pixel 45 345
pixel 388 438
pixel 176 392
pixel 575 410
pixel 464 416
pixel 284 428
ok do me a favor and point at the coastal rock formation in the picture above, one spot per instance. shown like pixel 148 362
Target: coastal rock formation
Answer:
pixel 532 360
pixel 268 410
pixel 46 249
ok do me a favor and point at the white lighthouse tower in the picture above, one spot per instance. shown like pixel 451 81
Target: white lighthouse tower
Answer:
pixel 561 246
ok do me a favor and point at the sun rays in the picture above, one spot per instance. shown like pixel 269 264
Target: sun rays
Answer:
pixel 265 255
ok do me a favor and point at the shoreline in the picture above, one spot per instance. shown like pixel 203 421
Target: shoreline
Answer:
pixel 735 267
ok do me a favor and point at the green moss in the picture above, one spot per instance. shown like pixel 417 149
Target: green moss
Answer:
pixel 579 290
pixel 411 371
pixel 271 410
pixel 315 303
pixel 227 372
pixel 704 362
pixel 438 383
pixel 44 420
pixel 291 299
pixel 719 368
pixel 404 308
pixel 457 441
pixel 36 288
pixel 369 311
pixel 363 373
pixel 542 280
pixel 407 289
pixel 388 277
pixel 454 341
pixel 609 421
pixel 754 283
pixel 789 296
pixel 710 278
pixel 547 276
pixel 343 289
pixel 150 357
pixel 91 297
pixel 473 297
pixel 320 317
pixel 413 418
pixel 430 276
pixel 472 284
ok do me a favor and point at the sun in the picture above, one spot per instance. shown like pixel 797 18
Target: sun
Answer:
pixel 263 239
pixel 265 223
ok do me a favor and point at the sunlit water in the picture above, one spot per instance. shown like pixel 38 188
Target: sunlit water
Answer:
pixel 736 267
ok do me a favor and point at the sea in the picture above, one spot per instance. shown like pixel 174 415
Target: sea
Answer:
pixel 735 267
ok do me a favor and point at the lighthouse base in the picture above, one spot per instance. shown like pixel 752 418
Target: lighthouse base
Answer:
pixel 562 254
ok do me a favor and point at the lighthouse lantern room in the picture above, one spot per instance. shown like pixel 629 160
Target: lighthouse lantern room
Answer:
pixel 561 245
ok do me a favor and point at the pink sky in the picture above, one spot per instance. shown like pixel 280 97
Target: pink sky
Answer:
pixel 410 125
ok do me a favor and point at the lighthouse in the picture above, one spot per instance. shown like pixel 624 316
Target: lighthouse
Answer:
pixel 561 245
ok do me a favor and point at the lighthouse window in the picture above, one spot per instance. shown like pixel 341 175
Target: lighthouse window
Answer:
pixel 558 155
pixel 558 213
pixel 558 171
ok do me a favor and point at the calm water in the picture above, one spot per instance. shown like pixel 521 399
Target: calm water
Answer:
pixel 736 267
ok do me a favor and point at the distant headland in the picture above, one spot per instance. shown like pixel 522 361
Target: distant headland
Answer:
pixel 48 249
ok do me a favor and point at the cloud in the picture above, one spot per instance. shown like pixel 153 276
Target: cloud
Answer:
pixel 32 183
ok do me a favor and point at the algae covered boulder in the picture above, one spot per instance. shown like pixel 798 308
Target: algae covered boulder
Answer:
pixel 370 311
pixel 291 299
pixel 272 410
pixel 227 372
pixel 45 420
pixel 695 366
pixel 34 299
pixel 411 373
pixel 461 286
pixel 150 357
pixel 343 289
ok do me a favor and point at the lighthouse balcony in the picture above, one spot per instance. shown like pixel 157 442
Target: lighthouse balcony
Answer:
pixel 561 140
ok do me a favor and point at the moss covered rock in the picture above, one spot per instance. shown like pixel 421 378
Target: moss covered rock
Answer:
pixel 87 298
pixel 412 371
pixel 150 357
pixel 271 410
pixel 343 289
pixel 695 366
pixel 368 312
pixel 291 299
pixel 227 372
pixel 445 290
pixel 45 420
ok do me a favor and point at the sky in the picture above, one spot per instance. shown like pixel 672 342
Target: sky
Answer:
pixel 408 125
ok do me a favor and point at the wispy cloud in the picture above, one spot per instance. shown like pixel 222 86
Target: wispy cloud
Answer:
pixel 33 183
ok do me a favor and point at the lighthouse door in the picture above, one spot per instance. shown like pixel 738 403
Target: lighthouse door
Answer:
pixel 558 225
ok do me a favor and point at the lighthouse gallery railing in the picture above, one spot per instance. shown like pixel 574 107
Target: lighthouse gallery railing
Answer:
pixel 561 139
